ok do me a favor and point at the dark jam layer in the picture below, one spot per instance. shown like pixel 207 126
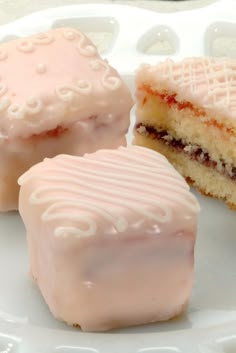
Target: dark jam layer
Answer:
pixel 193 151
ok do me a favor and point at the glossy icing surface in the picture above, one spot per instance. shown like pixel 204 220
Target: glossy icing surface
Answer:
pixel 19 155
pixel 206 82
pixel 56 96
pixel 110 236
pixel 41 88
pixel 111 187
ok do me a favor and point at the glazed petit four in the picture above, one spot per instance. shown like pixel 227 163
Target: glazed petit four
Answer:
pixel 56 96
pixel 110 236
pixel 187 111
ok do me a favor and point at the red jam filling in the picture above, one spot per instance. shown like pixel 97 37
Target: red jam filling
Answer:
pixel 170 99
pixel 59 130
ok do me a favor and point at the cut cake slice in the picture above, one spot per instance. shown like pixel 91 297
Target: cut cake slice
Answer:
pixel 187 111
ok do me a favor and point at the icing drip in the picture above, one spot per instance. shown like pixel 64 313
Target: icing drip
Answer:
pixel 108 185
pixel 111 83
pixel 84 46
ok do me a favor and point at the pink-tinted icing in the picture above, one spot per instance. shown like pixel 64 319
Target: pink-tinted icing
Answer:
pixel 19 155
pixel 56 96
pixel 55 79
pixel 209 83
pixel 111 236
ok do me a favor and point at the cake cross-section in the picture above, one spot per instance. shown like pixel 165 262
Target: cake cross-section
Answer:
pixel 186 110
pixel 110 236
pixel 57 95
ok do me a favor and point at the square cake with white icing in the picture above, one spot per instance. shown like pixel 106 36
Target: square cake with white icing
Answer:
pixel 110 237
pixel 57 95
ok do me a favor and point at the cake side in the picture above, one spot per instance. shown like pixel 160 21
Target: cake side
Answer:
pixel 206 83
pixel 108 231
pixel 207 180
pixel 191 126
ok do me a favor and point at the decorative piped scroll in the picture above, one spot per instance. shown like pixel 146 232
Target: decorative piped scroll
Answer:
pixel 32 106
pixel 68 92
pixel 28 45
pixel 84 46
pixel 108 186
pixel 108 81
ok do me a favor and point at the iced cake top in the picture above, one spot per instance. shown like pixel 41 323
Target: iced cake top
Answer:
pixel 209 83
pixel 53 79
pixel 130 190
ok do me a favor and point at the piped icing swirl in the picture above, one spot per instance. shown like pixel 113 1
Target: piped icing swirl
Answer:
pixel 111 187
pixel 83 46
pixel 28 45
pixel 68 91
pixel 32 106
pixel 108 81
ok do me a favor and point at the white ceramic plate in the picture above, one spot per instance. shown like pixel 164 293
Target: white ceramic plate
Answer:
pixel 209 325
